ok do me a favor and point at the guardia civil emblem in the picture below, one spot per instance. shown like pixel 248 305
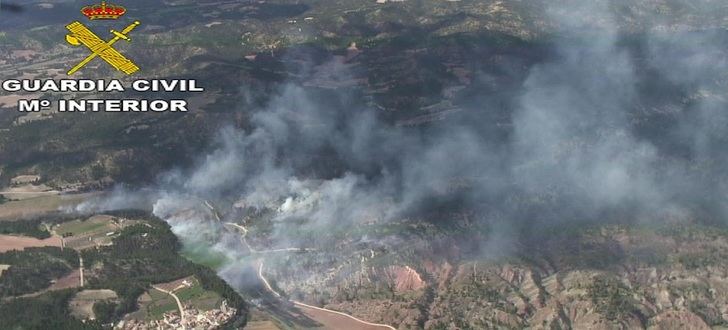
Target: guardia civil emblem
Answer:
pixel 82 35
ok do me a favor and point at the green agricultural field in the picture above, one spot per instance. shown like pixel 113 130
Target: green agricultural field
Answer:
pixel 154 303
pixel 198 297
pixel 161 303
pixel 95 231
pixel 78 227
pixel 152 306
pixel 190 293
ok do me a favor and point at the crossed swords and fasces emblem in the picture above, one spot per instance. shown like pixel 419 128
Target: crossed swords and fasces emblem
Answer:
pixel 81 35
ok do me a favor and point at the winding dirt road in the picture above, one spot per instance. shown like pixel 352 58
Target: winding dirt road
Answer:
pixel 179 303
pixel 244 233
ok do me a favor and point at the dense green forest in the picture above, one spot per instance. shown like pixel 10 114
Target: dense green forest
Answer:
pixel 142 255
pixel 31 228
pixel 34 227
pixel 33 269
pixel 48 311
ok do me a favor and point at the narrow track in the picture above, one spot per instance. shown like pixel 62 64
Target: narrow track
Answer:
pixel 179 303
pixel 298 303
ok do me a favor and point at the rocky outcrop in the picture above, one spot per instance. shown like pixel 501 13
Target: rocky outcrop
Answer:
pixel 607 279
pixel 402 279
pixel 678 320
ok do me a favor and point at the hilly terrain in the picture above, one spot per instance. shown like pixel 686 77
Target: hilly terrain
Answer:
pixel 417 164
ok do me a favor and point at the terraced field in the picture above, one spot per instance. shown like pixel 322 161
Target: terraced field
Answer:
pixel 152 306
pixel 154 303
pixel 95 231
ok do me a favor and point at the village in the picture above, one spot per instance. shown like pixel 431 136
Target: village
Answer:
pixel 193 319
pixel 183 303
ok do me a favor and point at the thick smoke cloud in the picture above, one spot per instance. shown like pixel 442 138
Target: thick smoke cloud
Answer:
pixel 614 124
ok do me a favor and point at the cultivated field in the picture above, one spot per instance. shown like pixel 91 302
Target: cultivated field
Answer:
pixel 154 303
pixel 261 325
pixel 28 191
pixel 98 230
pixel 152 306
pixel 37 206
pixel 196 296
pixel 330 320
pixel 8 242
pixel 260 321
pixel 82 304
pixel 72 280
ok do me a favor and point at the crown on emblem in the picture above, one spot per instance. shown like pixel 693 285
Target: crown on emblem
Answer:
pixel 103 11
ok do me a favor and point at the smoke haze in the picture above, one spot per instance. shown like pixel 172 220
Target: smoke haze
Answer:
pixel 609 126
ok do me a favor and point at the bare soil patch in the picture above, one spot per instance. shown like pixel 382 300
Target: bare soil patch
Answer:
pixel 3 268
pixel 9 243
pixel 335 321
pixel 177 284
pixel 82 305
pixel 24 179
pixel 28 191
pixel 261 325
pixel 72 280
pixel 259 320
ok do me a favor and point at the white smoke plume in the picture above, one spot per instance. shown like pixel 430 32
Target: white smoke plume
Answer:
pixel 611 124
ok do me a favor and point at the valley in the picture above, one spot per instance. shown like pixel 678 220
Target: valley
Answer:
pixel 364 164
